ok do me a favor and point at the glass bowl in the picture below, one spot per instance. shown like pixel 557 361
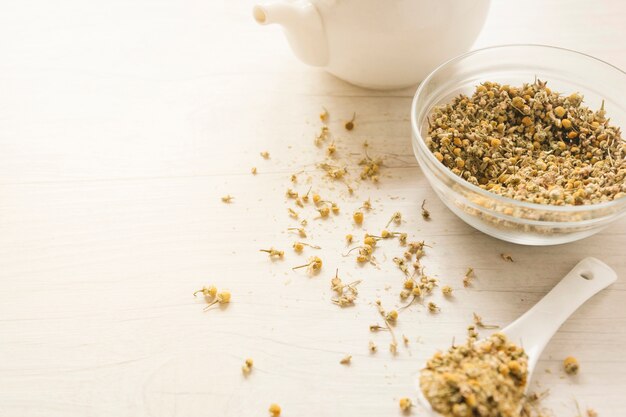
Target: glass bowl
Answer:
pixel 502 217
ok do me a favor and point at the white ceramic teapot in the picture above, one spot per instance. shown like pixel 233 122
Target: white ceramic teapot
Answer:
pixel 380 44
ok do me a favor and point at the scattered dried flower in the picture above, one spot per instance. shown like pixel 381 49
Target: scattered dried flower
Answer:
pixel 350 124
pixel 425 213
pixel 357 216
pixel 292 213
pixel 392 316
pixel 467 279
pixel 223 297
pixel 322 136
pixel 395 218
pixel 313 266
pixel 405 404
pixel 300 230
pixel 506 257
pixel 446 290
pixel 227 199
pixel 346 360
pixel 372 347
pixel 478 321
pixel 253 170
pixel 349 238
pixel 246 368
pixel 273 253
pixel 324 115
pixel 265 155
pixel 274 410
pixel 432 307
pixel 208 292
pixel 570 364
pixel 324 212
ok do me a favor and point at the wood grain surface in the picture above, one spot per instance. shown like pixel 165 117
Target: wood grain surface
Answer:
pixel 122 123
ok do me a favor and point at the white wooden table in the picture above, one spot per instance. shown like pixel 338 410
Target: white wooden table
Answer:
pixel 122 123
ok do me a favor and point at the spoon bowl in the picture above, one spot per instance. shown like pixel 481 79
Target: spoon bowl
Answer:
pixel 534 329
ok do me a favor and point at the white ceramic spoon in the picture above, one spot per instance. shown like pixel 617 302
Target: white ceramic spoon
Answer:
pixel 534 329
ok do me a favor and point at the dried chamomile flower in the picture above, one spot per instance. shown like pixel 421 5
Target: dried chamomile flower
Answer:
pixel 401 264
pixel 292 213
pixel 592 413
pixel 350 124
pixel 446 290
pixel 370 240
pixel 349 238
pixel 347 293
pixel 371 168
pixel 227 199
pixel 300 230
pixel 314 265
pixel 298 247
pixel 274 410
pixel 265 155
pixel 223 297
pixel 273 253
pixel 362 259
pixel 467 279
pixel 357 216
pixel 415 247
pixel 392 316
pixel 425 213
pixel 321 136
pixel 395 218
pixel 334 208
pixel 291 193
pixel 246 368
pixel 346 360
pixel 209 292
pixel 316 198
pixel 570 364
pixel 305 197
pixel 372 347
pixel 367 205
pixel 432 307
pixel 253 170
pixel 293 178
pixel 405 404
pixel 506 257
pixel 402 238
pixel 478 321
pixel 324 115
pixel 331 149
pixel 324 212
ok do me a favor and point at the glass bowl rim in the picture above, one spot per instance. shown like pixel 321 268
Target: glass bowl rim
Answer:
pixel 488 194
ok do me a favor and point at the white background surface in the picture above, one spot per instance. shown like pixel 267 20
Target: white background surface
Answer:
pixel 121 125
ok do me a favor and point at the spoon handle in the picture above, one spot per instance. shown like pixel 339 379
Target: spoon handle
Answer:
pixel 536 327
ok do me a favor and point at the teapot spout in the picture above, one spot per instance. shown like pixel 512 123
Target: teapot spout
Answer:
pixel 303 28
